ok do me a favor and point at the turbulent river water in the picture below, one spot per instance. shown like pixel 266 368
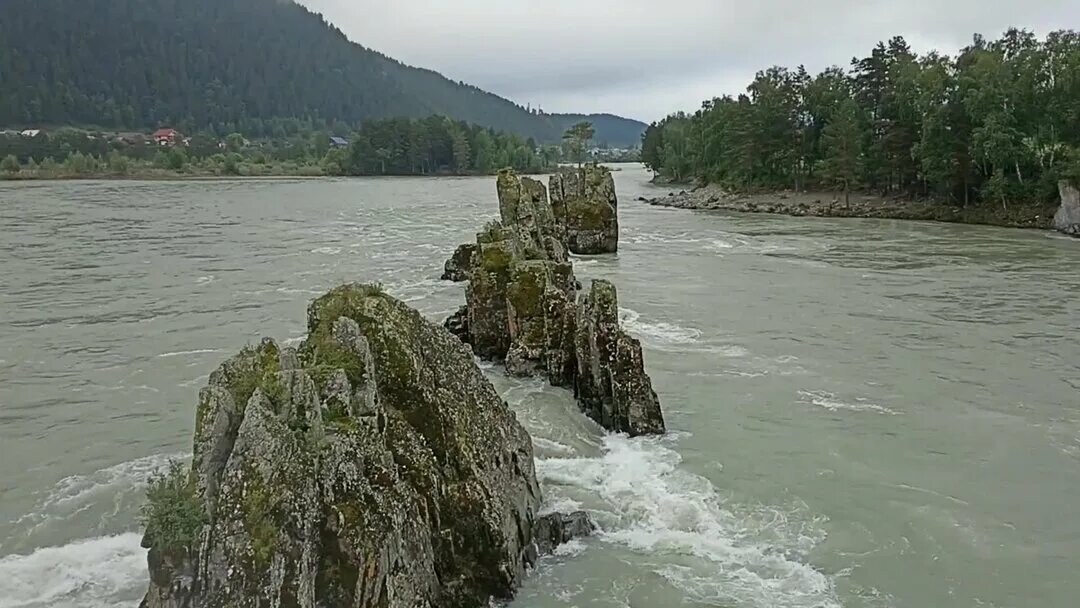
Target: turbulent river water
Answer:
pixel 862 412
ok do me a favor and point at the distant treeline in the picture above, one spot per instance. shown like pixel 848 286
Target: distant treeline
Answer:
pixel 999 122
pixel 400 146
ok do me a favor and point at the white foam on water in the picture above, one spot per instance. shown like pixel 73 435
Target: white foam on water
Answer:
pixel 552 446
pixel 658 333
pixel 327 250
pixel 559 504
pixel 414 291
pixel 194 381
pixel 293 291
pixel 569 549
pixel 110 485
pixel 728 350
pixel 580 262
pixel 126 475
pixel 742 556
pixel 184 353
pixel 828 401
pixel 644 238
pixel 105 572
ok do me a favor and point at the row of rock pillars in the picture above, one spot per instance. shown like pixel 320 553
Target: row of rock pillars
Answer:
pixel 374 465
pixel 525 307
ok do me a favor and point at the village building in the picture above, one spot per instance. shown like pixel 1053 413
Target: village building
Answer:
pixel 167 137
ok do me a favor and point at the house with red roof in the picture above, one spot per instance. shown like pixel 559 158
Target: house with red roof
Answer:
pixel 166 137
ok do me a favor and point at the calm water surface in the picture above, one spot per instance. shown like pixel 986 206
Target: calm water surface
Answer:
pixel 863 413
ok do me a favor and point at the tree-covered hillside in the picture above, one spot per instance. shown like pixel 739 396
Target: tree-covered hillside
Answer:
pixel 224 66
pixel 999 122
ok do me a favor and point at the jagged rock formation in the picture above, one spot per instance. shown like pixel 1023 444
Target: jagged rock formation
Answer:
pixel 373 467
pixel 610 383
pixel 523 308
pixel 457 267
pixel 1067 219
pixel 584 203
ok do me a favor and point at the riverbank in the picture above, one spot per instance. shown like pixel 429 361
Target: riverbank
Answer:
pixel 829 204
pixel 303 172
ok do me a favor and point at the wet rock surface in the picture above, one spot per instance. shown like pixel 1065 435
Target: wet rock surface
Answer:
pixel 524 308
pixel 374 467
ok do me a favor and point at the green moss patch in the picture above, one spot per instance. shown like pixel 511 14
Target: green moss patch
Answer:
pixel 584 215
pixel 526 291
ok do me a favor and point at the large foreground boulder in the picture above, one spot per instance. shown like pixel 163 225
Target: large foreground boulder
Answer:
pixel 584 203
pixel 524 308
pixel 373 467
pixel 1067 219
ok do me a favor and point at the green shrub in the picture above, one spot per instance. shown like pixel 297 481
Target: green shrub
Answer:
pixel 173 513
pixel 10 164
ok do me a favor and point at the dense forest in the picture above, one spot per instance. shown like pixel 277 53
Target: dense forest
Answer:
pixel 395 146
pixel 997 123
pixel 264 68
pixel 401 146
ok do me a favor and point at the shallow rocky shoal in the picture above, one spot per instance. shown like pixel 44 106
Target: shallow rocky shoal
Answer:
pixel 860 205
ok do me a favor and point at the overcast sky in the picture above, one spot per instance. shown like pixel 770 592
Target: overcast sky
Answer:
pixel 647 58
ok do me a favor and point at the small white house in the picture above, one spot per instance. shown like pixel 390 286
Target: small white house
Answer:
pixel 30 133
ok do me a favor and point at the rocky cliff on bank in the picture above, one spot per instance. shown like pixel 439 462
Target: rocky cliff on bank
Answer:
pixel 372 467
pixel 1067 219
pixel 524 306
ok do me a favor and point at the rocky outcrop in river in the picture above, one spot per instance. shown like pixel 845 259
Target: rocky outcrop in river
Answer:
pixel 584 203
pixel 1067 219
pixel 523 307
pixel 372 467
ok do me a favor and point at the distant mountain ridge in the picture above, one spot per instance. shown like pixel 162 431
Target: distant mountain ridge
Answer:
pixel 225 65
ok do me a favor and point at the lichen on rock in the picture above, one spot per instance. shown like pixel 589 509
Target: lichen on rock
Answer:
pixel 373 467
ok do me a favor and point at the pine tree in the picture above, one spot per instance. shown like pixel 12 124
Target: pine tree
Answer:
pixel 841 141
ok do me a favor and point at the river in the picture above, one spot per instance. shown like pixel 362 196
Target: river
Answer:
pixel 862 412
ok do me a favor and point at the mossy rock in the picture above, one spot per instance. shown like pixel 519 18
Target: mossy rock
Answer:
pixel 527 286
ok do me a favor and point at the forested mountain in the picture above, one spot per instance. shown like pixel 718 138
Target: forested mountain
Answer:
pixel 999 122
pixel 254 66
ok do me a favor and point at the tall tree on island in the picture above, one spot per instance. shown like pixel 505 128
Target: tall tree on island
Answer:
pixel 577 140
pixel 842 144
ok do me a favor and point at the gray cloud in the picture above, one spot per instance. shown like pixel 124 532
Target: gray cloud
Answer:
pixel 646 58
